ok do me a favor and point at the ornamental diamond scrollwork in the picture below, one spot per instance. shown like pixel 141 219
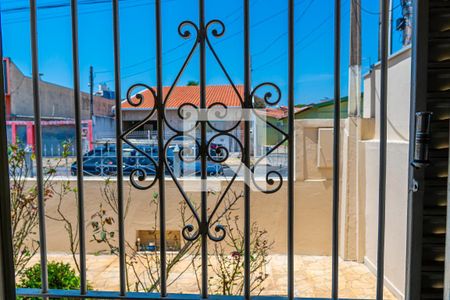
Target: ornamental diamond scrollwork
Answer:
pixel 139 178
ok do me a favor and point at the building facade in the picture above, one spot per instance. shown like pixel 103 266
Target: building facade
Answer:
pixel 57 112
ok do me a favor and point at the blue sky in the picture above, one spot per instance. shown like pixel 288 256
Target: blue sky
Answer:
pixel 313 36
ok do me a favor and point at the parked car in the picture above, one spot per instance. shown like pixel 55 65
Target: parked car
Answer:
pixel 194 169
pixel 102 161
pixel 183 141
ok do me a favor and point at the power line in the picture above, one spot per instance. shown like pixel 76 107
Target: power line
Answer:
pixel 165 52
pixel 147 70
pixel 284 33
pixel 47 6
pixel 220 41
pixel 85 12
pixel 143 61
pixel 26 8
pixel 53 6
pixel 253 3
pixel 311 42
pixel 280 12
pixel 254 25
pixel 94 2
pixel 284 54
pixel 237 33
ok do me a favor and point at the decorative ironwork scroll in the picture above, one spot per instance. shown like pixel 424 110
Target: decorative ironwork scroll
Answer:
pixel 213 230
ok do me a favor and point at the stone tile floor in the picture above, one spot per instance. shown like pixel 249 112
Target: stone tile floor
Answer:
pixel 312 276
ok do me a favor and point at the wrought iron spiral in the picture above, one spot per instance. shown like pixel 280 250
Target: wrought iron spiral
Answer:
pixel 220 231
pixel 270 176
pixel 189 233
pixel 138 175
pixel 268 95
pixel 217 28
pixel 186 33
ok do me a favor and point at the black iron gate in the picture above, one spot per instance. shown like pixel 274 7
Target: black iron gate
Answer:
pixel 200 33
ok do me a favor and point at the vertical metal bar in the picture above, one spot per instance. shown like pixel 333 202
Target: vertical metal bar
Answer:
pixel 447 249
pixel 79 146
pixel 7 289
pixel 121 214
pixel 91 92
pixel 204 195
pixel 38 146
pixel 419 74
pixel 161 173
pixel 291 151
pixel 336 148
pixel 391 20
pixel 247 106
pixel 384 45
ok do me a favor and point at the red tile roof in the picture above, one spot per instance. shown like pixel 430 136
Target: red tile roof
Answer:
pixel 191 94
pixel 280 112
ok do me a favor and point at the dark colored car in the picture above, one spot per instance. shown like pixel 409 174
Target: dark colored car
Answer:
pixel 194 169
pixel 214 148
pixel 102 161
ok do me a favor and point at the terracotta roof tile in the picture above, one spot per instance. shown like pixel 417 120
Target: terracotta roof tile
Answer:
pixel 191 94
pixel 280 112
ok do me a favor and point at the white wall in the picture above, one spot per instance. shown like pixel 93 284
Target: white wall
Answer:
pixel 398 93
pixel 398 111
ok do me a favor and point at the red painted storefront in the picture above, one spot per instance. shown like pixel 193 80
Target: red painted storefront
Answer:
pixel 87 130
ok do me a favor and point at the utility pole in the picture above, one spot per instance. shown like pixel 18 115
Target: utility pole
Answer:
pixel 405 24
pixel 91 92
pixel 354 92
pixel 351 230
pixel 391 12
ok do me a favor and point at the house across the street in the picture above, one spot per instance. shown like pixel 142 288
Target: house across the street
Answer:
pixel 179 97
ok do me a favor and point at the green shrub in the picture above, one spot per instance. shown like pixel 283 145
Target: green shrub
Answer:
pixel 60 276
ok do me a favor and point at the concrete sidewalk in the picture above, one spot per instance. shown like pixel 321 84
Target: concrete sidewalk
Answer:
pixel 312 276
